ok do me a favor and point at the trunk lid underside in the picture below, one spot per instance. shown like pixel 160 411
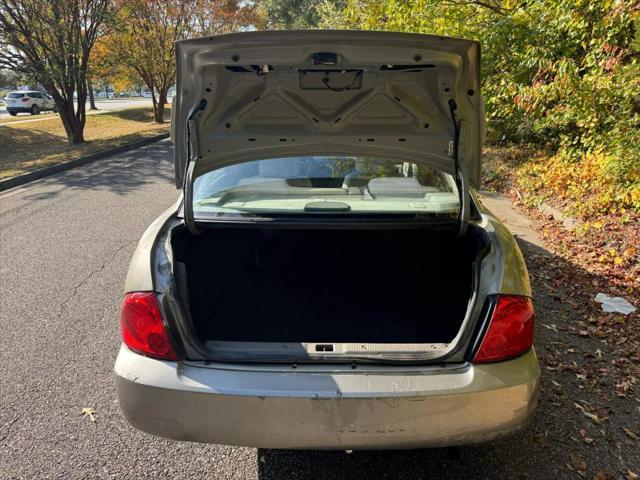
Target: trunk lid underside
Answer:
pixel 279 94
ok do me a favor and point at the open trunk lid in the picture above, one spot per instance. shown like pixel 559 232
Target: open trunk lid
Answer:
pixel 259 95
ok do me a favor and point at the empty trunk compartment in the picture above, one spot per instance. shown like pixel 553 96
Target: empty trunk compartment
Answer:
pixel 326 287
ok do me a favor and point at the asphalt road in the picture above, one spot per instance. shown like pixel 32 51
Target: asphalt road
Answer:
pixel 65 244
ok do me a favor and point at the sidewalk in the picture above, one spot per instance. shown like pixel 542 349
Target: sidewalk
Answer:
pixel 518 223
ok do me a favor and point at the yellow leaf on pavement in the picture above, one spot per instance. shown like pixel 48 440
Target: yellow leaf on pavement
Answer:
pixel 88 412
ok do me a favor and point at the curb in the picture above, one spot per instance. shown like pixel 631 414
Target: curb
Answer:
pixel 18 180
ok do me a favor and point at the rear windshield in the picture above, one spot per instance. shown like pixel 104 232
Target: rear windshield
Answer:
pixel 318 185
pixel 15 95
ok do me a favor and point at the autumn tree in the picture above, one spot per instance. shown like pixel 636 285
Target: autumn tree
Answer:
pixel 102 65
pixel 51 41
pixel 223 16
pixel 149 29
pixel 145 43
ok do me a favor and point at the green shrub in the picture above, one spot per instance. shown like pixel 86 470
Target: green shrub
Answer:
pixel 561 74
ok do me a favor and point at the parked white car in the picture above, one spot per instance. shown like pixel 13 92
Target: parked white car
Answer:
pixel 32 102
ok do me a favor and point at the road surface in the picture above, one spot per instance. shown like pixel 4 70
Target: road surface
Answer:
pixel 65 244
pixel 102 104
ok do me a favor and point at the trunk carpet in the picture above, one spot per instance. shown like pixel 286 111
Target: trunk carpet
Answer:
pixel 404 286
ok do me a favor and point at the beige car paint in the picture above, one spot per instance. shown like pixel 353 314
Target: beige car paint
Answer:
pixel 327 408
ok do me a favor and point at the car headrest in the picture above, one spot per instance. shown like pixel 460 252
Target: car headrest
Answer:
pixel 398 187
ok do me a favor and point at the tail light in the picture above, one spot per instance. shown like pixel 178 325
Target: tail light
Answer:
pixel 510 331
pixel 25 99
pixel 142 328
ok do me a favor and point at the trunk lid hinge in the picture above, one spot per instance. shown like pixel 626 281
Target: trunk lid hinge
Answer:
pixel 192 149
pixel 461 177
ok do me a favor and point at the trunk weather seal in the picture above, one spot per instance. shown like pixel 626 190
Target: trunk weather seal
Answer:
pixel 313 223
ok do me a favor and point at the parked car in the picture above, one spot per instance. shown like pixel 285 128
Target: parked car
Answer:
pixel 32 102
pixel 328 278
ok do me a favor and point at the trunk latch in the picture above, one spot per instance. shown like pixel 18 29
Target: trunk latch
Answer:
pixel 324 347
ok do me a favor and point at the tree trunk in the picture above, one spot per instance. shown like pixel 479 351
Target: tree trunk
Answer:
pixel 80 115
pixel 72 125
pixel 73 116
pixel 154 100
pixel 158 113
pixel 92 101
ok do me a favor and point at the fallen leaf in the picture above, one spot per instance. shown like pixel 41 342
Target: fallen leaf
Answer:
pixel 630 433
pixel 88 412
pixel 589 415
pixel 578 463
pixel 587 439
pixel 602 475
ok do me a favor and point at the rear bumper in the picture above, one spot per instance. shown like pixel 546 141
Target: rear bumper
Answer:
pixel 18 109
pixel 306 408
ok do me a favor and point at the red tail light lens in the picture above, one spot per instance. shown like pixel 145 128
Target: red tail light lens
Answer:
pixel 510 331
pixel 142 327
pixel 25 99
